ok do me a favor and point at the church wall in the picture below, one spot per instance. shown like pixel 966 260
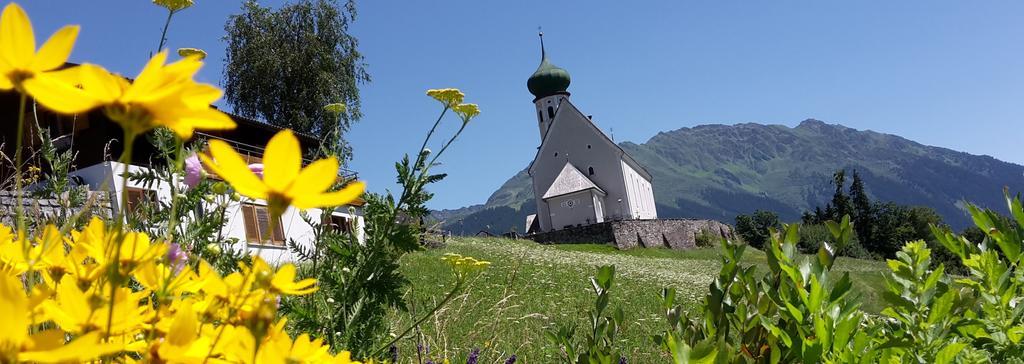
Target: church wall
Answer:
pixel 579 143
pixel 572 209
pixel 640 192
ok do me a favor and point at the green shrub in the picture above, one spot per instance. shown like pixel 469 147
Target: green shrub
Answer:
pixel 753 229
pixel 705 239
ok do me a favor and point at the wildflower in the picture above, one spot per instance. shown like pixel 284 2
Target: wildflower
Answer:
pixel 284 181
pixel 393 353
pixel 161 95
pixel 193 171
pixel 174 5
pixel 474 356
pixel 449 97
pixel 24 68
pixel 335 108
pixel 511 359
pixel 466 111
pixel 176 257
pixel 257 168
pixel 16 345
pixel 192 52
pixel 282 281
pixel 73 312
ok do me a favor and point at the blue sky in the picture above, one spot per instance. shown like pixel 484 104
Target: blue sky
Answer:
pixel 944 73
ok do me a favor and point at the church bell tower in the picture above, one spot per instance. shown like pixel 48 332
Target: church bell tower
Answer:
pixel 549 85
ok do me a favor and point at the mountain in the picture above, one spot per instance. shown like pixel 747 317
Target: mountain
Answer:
pixel 719 171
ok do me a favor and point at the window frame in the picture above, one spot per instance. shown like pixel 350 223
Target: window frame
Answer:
pixel 141 195
pixel 254 230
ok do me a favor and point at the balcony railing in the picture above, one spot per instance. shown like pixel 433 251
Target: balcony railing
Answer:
pixel 254 154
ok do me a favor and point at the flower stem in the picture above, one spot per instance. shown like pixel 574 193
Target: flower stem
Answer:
pixel 163 35
pixel 19 208
pixel 457 289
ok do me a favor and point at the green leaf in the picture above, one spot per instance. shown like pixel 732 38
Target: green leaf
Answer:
pixel 941 307
pixel 795 312
pixel 948 353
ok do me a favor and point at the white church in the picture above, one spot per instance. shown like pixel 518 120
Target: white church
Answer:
pixel 580 176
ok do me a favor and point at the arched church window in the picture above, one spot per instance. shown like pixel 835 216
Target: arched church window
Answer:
pixel 551 112
pixel 556 154
pixel 590 170
pixel 540 116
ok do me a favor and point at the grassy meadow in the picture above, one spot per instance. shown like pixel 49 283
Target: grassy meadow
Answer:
pixel 529 287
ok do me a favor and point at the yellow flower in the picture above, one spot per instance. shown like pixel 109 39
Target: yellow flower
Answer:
pixel 449 97
pixel 161 95
pixel 278 347
pixel 174 5
pixel 284 180
pixel 16 345
pixel 335 108
pixel 282 281
pixel 463 266
pixel 466 111
pixel 183 343
pixel 24 68
pixel 76 311
pixel 192 52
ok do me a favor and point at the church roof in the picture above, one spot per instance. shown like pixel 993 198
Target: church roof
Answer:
pixel 569 180
pixel 622 153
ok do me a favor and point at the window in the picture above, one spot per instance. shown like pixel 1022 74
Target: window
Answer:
pixel 588 146
pixel 540 116
pixel 138 197
pixel 551 112
pixel 590 170
pixel 337 223
pixel 556 154
pixel 257 226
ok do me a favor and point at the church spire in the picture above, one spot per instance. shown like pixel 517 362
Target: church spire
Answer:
pixel 548 79
pixel 543 55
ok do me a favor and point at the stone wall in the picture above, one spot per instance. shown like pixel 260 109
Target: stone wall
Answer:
pixel 46 209
pixel 628 234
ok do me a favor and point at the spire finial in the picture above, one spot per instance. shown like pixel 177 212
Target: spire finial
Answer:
pixel 540 33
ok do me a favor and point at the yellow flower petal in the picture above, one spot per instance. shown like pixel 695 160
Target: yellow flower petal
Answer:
pixel 316 177
pixel 17 41
pixel 281 161
pixel 99 83
pixel 58 96
pixel 56 50
pixel 82 349
pixel 14 310
pixel 330 199
pixel 232 168
pixel 149 79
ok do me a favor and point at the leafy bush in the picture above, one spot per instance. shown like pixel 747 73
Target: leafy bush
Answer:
pixel 706 239
pixel 360 280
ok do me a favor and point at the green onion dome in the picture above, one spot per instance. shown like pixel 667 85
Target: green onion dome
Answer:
pixel 548 79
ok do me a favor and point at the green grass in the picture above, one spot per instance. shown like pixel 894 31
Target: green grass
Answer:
pixel 529 287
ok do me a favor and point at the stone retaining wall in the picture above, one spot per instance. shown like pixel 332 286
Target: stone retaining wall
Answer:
pixel 627 234
pixel 46 209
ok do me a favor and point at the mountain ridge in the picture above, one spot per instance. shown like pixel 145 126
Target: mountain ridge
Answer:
pixel 717 171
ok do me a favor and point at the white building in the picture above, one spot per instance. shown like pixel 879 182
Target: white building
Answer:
pixel 247 221
pixel 580 176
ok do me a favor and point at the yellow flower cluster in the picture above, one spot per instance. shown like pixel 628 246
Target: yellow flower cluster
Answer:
pixel 449 97
pixel 452 98
pixel 174 5
pixel 103 293
pixel 161 95
pixel 464 266
pixel 59 304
